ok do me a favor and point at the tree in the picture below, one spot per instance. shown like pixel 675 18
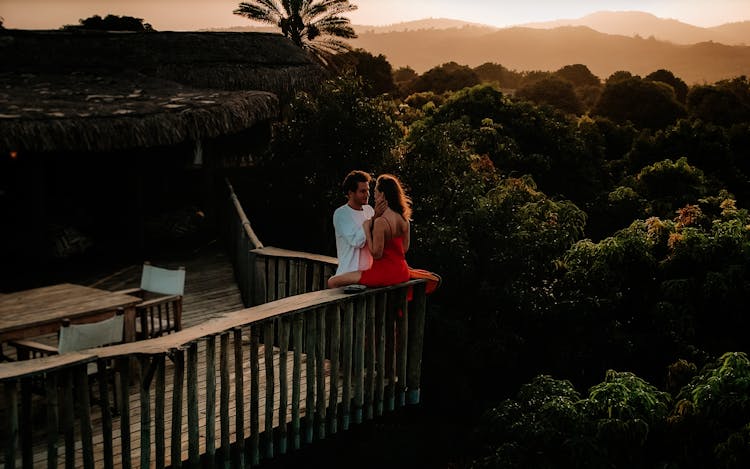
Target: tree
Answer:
pixel 376 72
pixel 619 75
pixel 724 103
pixel 446 77
pixel 111 23
pixel 315 26
pixel 665 76
pixel 490 72
pixel 579 75
pixel 647 104
pixel 554 91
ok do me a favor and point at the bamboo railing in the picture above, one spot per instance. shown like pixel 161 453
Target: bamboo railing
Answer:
pixel 330 360
pixel 267 273
pixel 353 357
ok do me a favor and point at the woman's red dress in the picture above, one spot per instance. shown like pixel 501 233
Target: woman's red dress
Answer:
pixel 390 269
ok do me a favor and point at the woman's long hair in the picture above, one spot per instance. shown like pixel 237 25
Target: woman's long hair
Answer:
pixel 394 194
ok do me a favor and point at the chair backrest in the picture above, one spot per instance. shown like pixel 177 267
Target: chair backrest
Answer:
pixel 160 280
pixel 84 336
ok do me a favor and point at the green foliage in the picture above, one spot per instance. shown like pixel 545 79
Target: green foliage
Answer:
pixel 324 137
pixel 521 138
pixel 620 75
pixel 446 77
pixel 721 393
pixel 625 396
pixel 665 76
pixel 724 103
pixel 556 92
pixel 543 427
pixel 490 72
pixel 647 104
pixel 670 184
pixel 376 72
pixel 579 75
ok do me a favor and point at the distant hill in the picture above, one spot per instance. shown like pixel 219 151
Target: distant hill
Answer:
pixel 632 23
pixel 549 49
pixel 427 23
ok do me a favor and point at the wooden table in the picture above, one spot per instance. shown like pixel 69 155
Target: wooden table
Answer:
pixel 36 312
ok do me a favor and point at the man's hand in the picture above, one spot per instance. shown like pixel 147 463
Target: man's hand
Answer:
pixel 380 207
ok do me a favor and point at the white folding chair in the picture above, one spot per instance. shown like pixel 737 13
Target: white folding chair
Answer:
pixel 158 314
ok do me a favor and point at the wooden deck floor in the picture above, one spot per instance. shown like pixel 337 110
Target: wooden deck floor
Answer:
pixel 210 291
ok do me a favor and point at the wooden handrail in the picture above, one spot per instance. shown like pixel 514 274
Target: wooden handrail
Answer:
pixel 243 218
pixel 278 252
pixel 183 338
pixel 377 334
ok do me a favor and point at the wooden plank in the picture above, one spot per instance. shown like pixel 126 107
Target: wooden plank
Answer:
pixel 159 408
pixel 311 326
pixel 210 366
pixel 370 357
pixel 320 350
pixel 224 401
pixel 417 314
pixel 178 358
pixel 194 455
pixel 380 307
pixel 53 410
pixel 268 333
pixel 10 391
pixel 359 357
pixel 334 319
pixel 402 335
pixel 284 327
pixel 254 394
pixel 298 324
pixel 239 402
pixel 346 371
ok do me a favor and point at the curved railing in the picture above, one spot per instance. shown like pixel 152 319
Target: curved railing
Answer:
pixel 371 343
pixel 302 363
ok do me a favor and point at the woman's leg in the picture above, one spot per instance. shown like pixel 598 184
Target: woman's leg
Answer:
pixel 348 278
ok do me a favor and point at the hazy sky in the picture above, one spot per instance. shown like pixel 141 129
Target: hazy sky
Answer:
pixel 180 15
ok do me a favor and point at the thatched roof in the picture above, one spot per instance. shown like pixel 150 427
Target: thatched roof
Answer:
pixel 106 91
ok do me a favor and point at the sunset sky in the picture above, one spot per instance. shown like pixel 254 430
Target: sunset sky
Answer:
pixel 178 15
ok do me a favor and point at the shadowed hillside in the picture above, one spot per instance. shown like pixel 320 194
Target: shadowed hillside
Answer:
pixel 631 23
pixel 540 49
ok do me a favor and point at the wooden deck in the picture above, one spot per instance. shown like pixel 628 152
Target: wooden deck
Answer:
pixel 210 291
pixel 343 359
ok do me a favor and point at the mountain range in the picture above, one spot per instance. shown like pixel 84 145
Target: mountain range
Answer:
pixel 605 42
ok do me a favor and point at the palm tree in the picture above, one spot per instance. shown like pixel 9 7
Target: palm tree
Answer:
pixel 316 26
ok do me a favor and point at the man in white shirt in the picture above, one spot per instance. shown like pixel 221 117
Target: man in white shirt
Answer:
pixel 351 250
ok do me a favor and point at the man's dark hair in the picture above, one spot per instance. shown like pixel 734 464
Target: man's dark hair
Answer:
pixel 353 179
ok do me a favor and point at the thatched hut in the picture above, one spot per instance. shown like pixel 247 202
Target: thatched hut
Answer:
pixel 103 133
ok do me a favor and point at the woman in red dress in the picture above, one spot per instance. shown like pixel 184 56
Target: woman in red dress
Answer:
pixel 387 239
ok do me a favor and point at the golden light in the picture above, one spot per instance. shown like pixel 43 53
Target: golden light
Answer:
pixel 13 155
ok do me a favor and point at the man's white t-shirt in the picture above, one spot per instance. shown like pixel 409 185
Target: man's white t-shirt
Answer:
pixel 350 238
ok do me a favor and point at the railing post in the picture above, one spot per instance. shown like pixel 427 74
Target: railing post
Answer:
pixel 10 390
pixel 402 336
pixel 417 314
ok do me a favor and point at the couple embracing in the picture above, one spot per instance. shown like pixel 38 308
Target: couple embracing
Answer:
pixel 371 243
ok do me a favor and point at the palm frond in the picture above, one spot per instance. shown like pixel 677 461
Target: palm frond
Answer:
pixel 264 11
pixel 331 7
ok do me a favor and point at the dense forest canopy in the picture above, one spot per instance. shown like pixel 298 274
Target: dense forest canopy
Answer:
pixel 594 240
